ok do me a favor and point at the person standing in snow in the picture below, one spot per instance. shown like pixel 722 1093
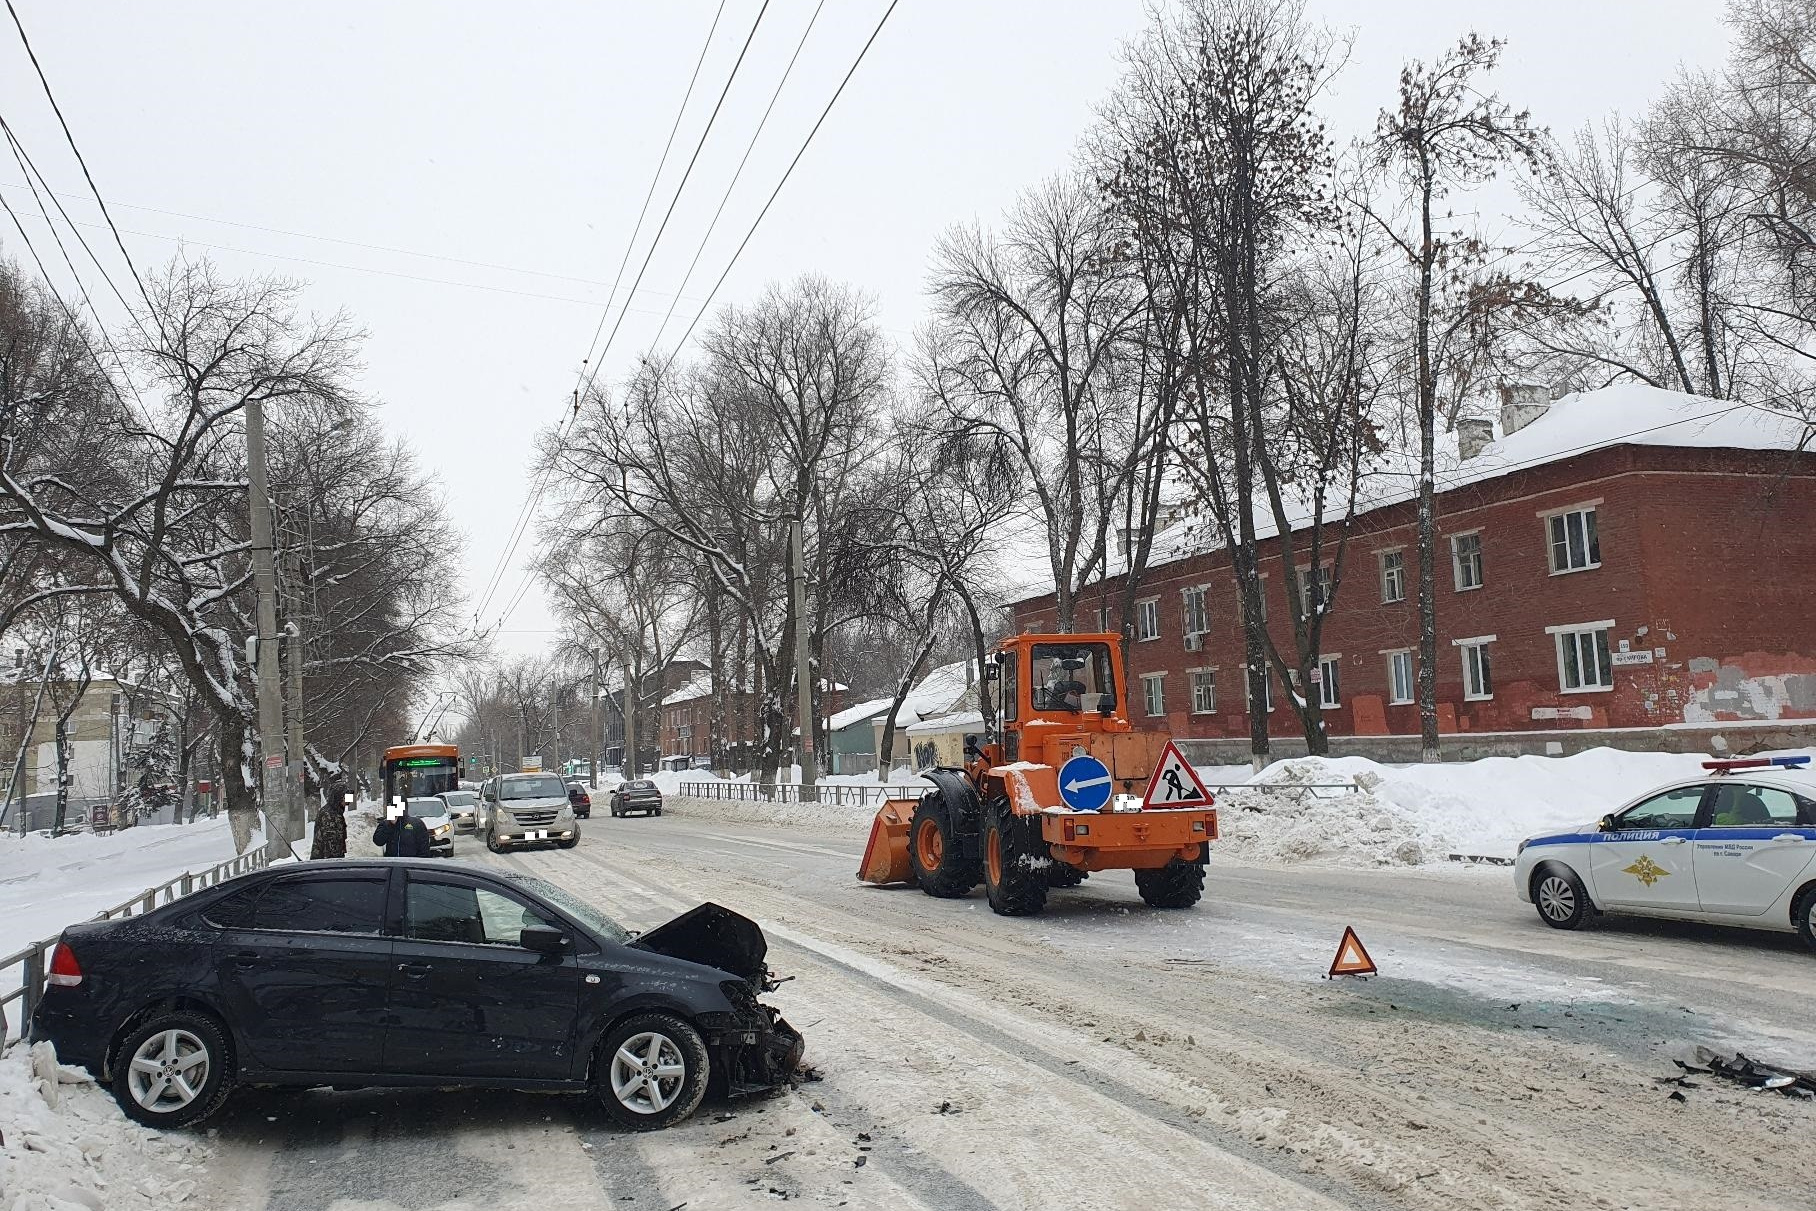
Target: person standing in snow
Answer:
pixel 330 840
pixel 401 835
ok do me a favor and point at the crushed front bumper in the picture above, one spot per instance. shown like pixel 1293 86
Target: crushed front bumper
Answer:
pixel 756 1052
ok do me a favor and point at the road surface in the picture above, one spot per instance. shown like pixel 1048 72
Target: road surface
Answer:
pixel 1109 1055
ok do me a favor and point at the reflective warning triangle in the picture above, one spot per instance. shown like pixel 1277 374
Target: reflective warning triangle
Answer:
pixel 1352 958
pixel 1175 783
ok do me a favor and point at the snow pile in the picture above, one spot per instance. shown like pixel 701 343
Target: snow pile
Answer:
pixel 1303 811
pixel 68 1148
pixel 1410 814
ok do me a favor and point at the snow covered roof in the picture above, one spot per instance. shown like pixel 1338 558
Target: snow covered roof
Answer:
pixel 938 693
pixel 1625 414
pixel 697 685
pixel 955 721
pixel 859 713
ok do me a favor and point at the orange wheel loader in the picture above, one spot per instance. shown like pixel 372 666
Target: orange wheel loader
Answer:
pixel 1004 819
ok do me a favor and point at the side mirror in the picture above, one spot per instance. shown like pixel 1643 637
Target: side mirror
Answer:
pixel 993 672
pixel 543 941
pixel 1607 824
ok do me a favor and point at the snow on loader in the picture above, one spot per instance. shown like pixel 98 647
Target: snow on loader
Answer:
pixel 1004 819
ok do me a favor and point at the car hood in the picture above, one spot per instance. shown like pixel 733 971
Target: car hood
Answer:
pixel 714 936
pixel 435 821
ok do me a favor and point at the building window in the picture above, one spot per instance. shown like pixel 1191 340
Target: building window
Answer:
pixel 1192 614
pixel 1574 543
pixel 1478 675
pixel 1204 691
pixel 1329 689
pixel 1466 561
pixel 1103 619
pixel 1147 619
pixel 1393 577
pixel 1261 687
pixel 1583 661
pixel 1314 589
pixel 1153 693
pixel 1399 678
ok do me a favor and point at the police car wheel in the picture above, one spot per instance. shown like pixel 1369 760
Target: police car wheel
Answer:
pixel 1560 897
pixel 1803 916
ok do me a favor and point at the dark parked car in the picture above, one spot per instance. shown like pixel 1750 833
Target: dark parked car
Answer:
pixel 412 972
pixel 637 795
pixel 580 801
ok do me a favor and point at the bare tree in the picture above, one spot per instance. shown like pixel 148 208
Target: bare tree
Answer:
pixel 1444 135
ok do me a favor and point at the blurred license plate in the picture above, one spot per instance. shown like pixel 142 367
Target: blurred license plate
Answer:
pixel 541 834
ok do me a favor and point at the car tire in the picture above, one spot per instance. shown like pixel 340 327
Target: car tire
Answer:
pixel 623 1072
pixel 159 1060
pixel 1560 897
pixel 492 842
pixel 570 843
pixel 658 811
pixel 1175 885
pixel 1803 909
pixel 936 851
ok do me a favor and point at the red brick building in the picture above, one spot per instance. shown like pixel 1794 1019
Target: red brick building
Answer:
pixel 1626 558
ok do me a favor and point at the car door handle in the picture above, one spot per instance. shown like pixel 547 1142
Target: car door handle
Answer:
pixel 1789 837
pixel 1672 840
pixel 415 971
pixel 246 958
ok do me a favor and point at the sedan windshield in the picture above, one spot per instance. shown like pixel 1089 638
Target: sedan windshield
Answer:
pixel 573 906
pixel 424 809
pixel 532 788
pixel 460 798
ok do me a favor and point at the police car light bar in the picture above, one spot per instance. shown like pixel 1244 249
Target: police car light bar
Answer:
pixel 1722 767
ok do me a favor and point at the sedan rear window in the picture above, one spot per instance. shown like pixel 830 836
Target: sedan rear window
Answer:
pixel 321 906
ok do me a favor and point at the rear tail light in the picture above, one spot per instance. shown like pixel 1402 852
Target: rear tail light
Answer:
pixel 65 972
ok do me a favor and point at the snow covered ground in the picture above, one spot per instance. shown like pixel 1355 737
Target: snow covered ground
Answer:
pixel 67 1147
pixel 1350 811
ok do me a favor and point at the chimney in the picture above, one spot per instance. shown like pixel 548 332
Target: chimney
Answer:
pixel 1521 404
pixel 1473 436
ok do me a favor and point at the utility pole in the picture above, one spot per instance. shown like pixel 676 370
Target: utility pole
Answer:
pixel 803 660
pixel 597 732
pixel 274 794
pixel 295 771
pixel 630 724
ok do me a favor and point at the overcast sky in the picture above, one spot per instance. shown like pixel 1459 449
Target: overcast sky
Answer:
pixel 464 178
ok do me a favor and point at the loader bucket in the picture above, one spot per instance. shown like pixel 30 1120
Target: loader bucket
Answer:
pixel 886 855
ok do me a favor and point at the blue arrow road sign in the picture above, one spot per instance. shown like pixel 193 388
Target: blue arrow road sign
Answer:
pixel 1084 783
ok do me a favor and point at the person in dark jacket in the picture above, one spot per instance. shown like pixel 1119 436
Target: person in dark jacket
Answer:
pixel 404 837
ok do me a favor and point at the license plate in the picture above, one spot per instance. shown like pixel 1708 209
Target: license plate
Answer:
pixel 541 834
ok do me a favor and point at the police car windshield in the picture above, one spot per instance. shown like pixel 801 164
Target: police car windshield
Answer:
pixel 1072 677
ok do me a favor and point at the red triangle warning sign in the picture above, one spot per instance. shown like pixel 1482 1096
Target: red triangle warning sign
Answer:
pixel 1352 959
pixel 1175 783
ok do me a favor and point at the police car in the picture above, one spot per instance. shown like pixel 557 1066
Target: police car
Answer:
pixel 1734 847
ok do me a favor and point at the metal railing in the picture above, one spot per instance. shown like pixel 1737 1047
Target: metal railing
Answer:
pixel 31 961
pixel 1317 790
pixel 790 792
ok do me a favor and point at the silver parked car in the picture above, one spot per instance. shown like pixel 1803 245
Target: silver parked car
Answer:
pixel 463 809
pixel 527 809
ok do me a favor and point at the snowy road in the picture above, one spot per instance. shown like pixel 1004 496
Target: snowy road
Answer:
pixel 1106 1055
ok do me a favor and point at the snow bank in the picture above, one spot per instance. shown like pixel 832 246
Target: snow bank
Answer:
pixel 49 882
pixel 68 1148
pixel 1412 814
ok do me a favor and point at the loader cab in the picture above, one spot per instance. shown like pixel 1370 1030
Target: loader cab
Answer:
pixel 1073 682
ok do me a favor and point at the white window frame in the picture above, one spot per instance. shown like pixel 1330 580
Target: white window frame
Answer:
pixel 1153 694
pixel 1456 562
pixel 1310 578
pixel 1147 620
pixel 1192 676
pixel 1480 644
pixel 1190 612
pixel 1267 691
pixel 1381 563
pixel 1327 665
pixel 1570 633
pixel 1591 508
pixel 1393 657
pixel 1103 619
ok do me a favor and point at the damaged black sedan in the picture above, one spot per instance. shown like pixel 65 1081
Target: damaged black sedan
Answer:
pixel 392 973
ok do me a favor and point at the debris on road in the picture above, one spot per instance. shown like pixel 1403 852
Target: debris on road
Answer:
pixel 1752 1073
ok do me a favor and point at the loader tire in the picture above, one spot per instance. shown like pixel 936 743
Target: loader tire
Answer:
pixel 1175 885
pixel 1015 863
pixel 936 853
pixel 1061 875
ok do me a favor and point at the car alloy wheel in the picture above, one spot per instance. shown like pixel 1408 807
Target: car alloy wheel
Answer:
pixel 168 1071
pixel 1557 899
pixel 647 1073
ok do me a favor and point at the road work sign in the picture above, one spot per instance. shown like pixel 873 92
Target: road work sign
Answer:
pixel 1084 783
pixel 1175 783
pixel 1352 959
